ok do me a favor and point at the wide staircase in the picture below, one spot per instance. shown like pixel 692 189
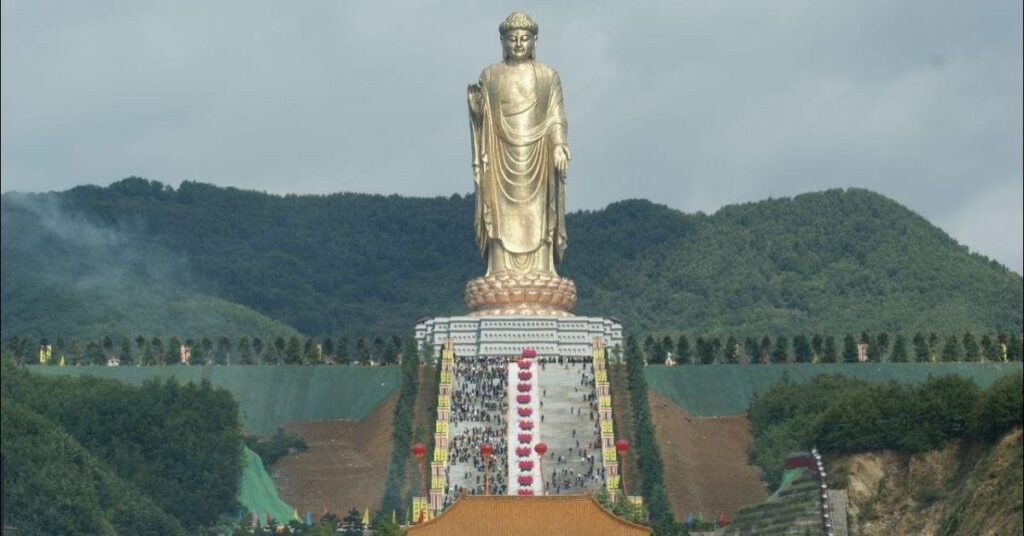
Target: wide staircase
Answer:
pixel 569 421
pixel 478 411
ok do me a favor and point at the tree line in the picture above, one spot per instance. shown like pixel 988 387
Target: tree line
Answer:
pixel 819 348
pixel 206 350
pixel 170 453
pixel 838 414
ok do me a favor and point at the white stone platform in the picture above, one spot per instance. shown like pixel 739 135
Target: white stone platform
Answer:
pixel 550 336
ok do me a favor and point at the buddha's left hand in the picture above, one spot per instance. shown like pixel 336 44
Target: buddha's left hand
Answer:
pixel 562 158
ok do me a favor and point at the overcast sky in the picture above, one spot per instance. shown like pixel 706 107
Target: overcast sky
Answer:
pixel 694 104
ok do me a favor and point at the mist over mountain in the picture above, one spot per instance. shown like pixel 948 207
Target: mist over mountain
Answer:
pixel 140 256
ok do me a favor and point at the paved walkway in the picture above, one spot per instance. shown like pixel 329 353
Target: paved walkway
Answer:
pixel 573 463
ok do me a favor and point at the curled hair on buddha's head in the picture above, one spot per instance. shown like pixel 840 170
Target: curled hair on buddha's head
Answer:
pixel 518 20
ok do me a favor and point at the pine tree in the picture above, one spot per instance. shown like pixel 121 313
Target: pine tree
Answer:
pixel 951 350
pixel 362 351
pixel 108 345
pixel 173 351
pixel 933 346
pixel 988 349
pixel 1013 348
pixel 802 349
pixel 378 348
pixel 199 355
pixel 657 355
pixel 683 352
pixel 94 354
pixel 702 351
pixel 245 353
pixel 74 356
pixel 391 351
pixel 766 348
pixel 899 350
pixel 732 350
pixel 157 347
pixel 279 345
pixel 327 345
pixel 881 350
pixel 342 349
pixel 207 345
pixel 817 347
pixel 223 350
pixel 780 353
pixel 667 347
pixel 148 356
pixel 922 354
pixel 293 353
pixel 750 349
pixel 308 352
pixel 29 352
pixel 849 349
pixel 269 356
pixel 257 347
pixel 140 343
pixel 972 352
pixel 125 356
pixel 649 349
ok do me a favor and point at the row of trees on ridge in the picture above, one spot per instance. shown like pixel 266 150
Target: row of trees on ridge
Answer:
pixel 882 347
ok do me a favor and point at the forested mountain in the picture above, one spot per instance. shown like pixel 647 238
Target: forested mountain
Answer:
pixel 834 261
pixel 96 456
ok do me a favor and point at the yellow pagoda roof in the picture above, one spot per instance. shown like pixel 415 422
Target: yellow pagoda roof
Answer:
pixel 511 515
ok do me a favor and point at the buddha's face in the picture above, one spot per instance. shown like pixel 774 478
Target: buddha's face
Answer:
pixel 519 45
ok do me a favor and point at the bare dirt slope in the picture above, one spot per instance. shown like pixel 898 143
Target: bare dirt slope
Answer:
pixel 344 467
pixel 705 461
pixel 961 489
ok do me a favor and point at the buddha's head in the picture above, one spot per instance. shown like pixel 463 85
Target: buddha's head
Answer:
pixel 519 37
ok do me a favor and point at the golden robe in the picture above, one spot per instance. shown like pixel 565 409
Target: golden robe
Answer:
pixel 520 197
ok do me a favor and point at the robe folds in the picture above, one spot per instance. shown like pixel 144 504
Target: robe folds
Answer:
pixel 520 196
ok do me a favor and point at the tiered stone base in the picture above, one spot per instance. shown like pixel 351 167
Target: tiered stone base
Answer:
pixel 511 295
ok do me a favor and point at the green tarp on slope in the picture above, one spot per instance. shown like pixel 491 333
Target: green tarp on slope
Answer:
pixel 257 492
pixel 717 390
pixel 271 395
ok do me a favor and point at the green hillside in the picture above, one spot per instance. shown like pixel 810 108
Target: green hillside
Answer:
pixel 93 456
pixel 834 261
pixel 719 390
pixel 68 277
pixel 269 396
pixel 52 485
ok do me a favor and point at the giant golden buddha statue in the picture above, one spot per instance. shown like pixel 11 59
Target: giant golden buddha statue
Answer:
pixel 520 164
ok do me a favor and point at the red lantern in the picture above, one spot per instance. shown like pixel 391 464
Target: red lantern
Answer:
pixel 486 449
pixel 526 438
pixel 723 520
pixel 523 399
pixel 526 425
pixel 526 465
pixel 540 448
pixel 622 446
pixel 522 452
pixel 523 387
pixel 524 364
pixel 525 375
pixel 418 450
pixel 525 412
pixel 525 480
pixel 529 352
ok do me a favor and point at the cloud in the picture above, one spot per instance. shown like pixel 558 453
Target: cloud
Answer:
pixel 695 105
